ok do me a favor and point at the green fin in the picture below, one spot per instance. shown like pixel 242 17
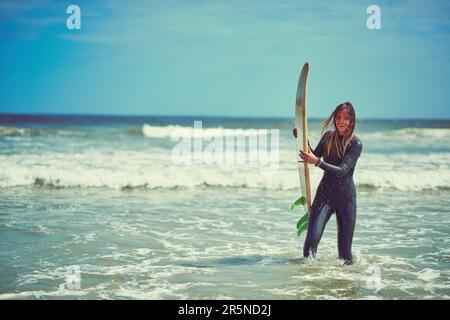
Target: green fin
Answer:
pixel 302 224
pixel 304 219
pixel 300 201
pixel 303 228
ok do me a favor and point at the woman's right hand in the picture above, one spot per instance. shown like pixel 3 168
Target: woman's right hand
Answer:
pixel 294 132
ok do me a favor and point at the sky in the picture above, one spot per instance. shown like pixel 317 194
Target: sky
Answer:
pixel 225 58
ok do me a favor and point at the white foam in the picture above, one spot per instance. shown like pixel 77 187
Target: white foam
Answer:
pixel 408 133
pixel 428 274
pixel 180 131
pixel 143 251
pixel 11 131
pixel 153 168
pixel 30 132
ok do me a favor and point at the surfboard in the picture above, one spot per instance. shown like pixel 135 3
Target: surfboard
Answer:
pixel 301 123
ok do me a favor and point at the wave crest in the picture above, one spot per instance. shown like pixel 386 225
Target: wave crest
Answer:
pixel 109 171
pixel 403 134
pixel 35 132
pixel 180 131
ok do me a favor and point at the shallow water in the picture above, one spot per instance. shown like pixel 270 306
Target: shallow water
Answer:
pixel 233 244
pixel 95 207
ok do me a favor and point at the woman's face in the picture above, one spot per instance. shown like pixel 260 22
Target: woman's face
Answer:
pixel 343 121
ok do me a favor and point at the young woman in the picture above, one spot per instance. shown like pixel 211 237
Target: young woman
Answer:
pixel 336 153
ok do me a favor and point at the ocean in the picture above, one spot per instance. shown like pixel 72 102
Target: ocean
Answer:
pixel 113 207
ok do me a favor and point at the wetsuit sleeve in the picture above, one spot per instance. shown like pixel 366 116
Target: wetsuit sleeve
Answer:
pixel 318 151
pixel 347 163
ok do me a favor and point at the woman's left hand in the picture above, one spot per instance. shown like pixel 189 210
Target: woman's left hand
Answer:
pixel 308 157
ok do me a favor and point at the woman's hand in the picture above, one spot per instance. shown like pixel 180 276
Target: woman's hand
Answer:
pixel 309 157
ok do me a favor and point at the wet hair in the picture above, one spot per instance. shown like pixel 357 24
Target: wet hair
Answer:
pixel 333 138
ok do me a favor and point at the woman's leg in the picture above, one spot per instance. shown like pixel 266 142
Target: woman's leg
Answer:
pixel 320 214
pixel 346 218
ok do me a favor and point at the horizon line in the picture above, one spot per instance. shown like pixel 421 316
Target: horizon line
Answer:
pixel 197 115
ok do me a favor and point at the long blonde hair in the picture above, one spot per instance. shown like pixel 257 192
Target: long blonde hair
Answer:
pixel 333 137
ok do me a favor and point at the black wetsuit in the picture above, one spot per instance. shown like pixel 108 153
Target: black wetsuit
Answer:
pixel 335 193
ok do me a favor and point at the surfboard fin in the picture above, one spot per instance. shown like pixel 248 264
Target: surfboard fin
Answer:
pixel 302 224
pixel 300 201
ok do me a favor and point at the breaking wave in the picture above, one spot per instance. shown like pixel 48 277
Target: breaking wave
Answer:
pixel 154 169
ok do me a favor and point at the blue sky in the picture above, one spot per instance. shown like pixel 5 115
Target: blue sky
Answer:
pixel 225 58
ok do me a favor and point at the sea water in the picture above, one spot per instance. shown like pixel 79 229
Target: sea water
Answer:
pixel 94 207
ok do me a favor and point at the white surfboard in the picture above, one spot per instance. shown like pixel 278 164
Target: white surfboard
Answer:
pixel 301 123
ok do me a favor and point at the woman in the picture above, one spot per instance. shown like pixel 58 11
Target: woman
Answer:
pixel 336 153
